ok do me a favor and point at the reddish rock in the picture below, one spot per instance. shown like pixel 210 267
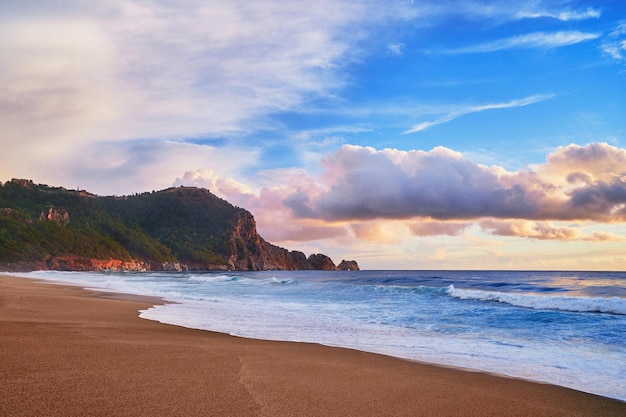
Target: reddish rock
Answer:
pixel 348 266
pixel 320 261
pixel 57 215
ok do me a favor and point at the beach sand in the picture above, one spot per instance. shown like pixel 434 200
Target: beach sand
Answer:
pixel 65 351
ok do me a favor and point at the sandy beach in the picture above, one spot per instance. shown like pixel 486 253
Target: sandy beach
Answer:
pixel 66 351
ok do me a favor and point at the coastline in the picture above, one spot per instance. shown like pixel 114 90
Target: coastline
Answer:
pixel 71 351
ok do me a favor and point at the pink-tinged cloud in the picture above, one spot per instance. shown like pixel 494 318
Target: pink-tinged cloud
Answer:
pixel 435 228
pixel 379 232
pixel 604 237
pixel 378 196
pixel 576 183
pixel 275 221
pixel 530 229
pixel 296 233
pixel 543 231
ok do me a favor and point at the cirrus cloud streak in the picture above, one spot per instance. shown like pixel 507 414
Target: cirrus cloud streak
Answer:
pixel 477 109
pixel 527 41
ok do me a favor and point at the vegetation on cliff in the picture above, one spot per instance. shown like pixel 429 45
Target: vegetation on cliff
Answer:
pixel 44 227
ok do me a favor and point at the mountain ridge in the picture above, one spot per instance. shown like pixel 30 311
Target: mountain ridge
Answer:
pixel 175 229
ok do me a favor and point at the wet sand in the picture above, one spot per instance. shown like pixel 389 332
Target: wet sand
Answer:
pixel 65 351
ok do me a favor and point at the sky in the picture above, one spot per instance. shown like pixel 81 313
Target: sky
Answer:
pixel 420 134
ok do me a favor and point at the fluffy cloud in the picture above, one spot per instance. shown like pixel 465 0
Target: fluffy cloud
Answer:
pixel 525 228
pixel 395 184
pixel 381 195
pixel 591 163
pixel 593 178
pixel 276 221
pixel 604 237
pixel 575 183
pixel 207 178
pixel 123 168
pixel 543 231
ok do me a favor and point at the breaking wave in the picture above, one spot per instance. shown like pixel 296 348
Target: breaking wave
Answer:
pixel 610 305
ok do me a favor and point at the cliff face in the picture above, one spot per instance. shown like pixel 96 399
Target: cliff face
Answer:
pixel 321 261
pixel 249 251
pixel 182 228
pixel 59 216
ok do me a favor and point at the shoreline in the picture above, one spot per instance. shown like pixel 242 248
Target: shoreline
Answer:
pixel 68 350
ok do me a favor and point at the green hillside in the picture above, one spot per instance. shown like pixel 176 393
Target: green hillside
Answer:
pixel 184 228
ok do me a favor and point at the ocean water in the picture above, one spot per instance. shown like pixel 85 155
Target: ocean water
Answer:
pixel 564 328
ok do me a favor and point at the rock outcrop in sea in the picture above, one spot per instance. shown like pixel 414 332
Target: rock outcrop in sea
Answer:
pixel 348 266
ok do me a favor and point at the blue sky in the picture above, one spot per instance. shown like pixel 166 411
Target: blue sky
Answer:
pixel 403 134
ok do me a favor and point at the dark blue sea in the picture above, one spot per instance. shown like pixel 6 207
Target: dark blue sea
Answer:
pixel 564 328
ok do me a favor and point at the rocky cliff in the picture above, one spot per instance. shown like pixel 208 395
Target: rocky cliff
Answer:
pixel 348 266
pixel 182 228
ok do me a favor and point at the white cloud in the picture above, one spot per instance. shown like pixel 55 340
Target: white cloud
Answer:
pixel 614 45
pixel 75 74
pixel 207 178
pixel 527 41
pixel 173 69
pixel 365 199
pixel 530 229
pixel 500 12
pixel 364 184
pixel 118 70
pixel 127 167
pixel 544 231
pixel 58 78
pixel 103 90
pixel 564 15
pixel 477 109
pixel 396 48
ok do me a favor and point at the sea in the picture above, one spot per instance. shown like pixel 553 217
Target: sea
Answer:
pixel 563 328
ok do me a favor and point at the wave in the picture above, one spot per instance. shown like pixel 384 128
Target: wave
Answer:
pixel 405 289
pixel 611 305
pixel 276 281
pixel 241 280
pixel 212 278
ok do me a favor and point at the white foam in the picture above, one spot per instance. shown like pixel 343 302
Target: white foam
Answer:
pixel 277 281
pixel 212 278
pixel 363 317
pixel 612 305
pixel 575 366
